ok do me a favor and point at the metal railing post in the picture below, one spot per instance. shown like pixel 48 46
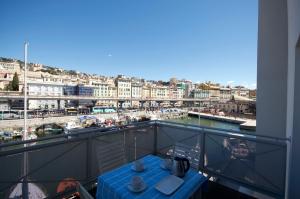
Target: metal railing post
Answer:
pixel 89 158
pixel 202 149
pixel 155 139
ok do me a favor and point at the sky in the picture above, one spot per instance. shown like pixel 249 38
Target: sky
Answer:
pixel 198 40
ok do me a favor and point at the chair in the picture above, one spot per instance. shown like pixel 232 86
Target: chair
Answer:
pixel 83 193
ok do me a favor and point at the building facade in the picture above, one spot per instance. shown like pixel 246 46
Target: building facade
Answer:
pixel 10 66
pixel 160 92
pixel 44 89
pixel 200 94
pixel 123 87
pixel 225 93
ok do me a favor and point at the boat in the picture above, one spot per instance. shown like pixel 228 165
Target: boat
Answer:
pixel 71 125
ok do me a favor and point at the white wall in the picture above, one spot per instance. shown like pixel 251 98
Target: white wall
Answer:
pixel 293 116
pixel 278 94
pixel 272 81
pixel 271 68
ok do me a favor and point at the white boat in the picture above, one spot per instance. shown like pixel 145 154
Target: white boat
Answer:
pixel 71 125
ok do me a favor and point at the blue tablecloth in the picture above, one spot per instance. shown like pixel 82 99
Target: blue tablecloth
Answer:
pixel 113 184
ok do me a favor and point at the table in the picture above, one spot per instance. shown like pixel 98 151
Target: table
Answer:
pixel 113 184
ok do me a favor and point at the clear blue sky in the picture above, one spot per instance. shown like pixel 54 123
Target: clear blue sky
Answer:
pixel 198 40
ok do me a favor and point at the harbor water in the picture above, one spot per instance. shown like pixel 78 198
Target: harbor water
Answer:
pixel 210 123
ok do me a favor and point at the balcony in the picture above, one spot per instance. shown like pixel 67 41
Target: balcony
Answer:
pixel 235 162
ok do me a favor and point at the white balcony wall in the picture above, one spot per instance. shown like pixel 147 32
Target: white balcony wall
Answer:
pixel 278 94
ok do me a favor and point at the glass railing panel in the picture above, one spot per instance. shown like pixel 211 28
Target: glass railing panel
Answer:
pixel 139 142
pixel 254 163
pixel 108 152
pixel 10 173
pixel 180 141
pixel 55 169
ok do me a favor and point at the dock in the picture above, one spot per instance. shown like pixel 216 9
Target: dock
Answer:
pixel 245 124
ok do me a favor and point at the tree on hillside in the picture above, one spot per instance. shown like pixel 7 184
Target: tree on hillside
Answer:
pixel 15 82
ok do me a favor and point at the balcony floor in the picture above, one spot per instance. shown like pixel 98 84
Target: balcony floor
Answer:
pixel 216 190
pixel 213 191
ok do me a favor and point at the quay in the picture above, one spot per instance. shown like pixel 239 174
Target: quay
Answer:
pixel 246 124
pixel 154 115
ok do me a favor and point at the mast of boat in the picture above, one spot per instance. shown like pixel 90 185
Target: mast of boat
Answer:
pixel 25 135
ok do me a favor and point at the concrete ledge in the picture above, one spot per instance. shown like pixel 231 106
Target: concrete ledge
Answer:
pixel 245 124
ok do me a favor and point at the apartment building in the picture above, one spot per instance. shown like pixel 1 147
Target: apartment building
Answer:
pixel 176 93
pixel 10 66
pixel 146 92
pixel 240 91
pixel 136 90
pixel 45 89
pixel 101 89
pixel 160 92
pixel 123 87
pixel 225 93
pixel 199 94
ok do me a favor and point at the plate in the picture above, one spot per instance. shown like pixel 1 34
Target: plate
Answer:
pixel 137 170
pixel 169 184
pixel 135 190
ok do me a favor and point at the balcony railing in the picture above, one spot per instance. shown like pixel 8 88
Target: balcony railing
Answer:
pixel 54 163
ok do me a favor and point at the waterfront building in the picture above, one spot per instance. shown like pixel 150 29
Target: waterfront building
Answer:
pixel 176 93
pixel 70 90
pixel 225 93
pixel 123 87
pixel 105 90
pixel 136 90
pixel 45 89
pixel 186 86
pixel 214 93
pixel 46 104
pixel 123 90
pixel 146 92
pixel 160 92
pixel 240 91
pixel 213 89
pixel 4 105
pixel 136 93
pixel 83 90
pixel 252 94
pixel 199 94
pixel 101 90
pixel 78 90
pixel 112 91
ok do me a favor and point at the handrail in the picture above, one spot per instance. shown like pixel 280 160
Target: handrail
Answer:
pixel 212 130
pixel 75 132
pixel 223 132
